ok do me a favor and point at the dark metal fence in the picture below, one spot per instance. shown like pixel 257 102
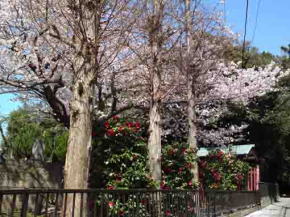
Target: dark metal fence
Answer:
pixel 127 203
pixel 100 203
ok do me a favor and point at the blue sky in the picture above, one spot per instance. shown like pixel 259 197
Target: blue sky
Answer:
pixel 273 30
pixel 7 105
pixel 273 26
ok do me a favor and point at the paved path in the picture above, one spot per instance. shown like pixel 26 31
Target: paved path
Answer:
pixel 279 209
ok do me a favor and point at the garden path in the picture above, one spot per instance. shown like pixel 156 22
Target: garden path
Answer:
pixel 279 209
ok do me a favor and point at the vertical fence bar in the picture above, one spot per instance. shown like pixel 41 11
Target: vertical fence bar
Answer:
pixel 197 203
pixel 24 205
pixel 186 201
pixel 157 202
pixel 101 205
pixel 82 198
pixel 1 199
pixel 121 197
pixel 73 205
pixel 138 209
pixel 46 204
pixel 64 205
pixel 13 205
pixel 150 196
pixel 56 204
pixel 36 205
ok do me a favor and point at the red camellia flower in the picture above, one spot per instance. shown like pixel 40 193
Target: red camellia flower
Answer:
pixel 168 213
pixel 106 124
pixel 130 124
pixel 217 177
pixel 188 165
pixel 219 154
pixel 110 187
pixel 110 132
pixel 189 183
pixel 137 125
pixel 167 170
pixel 239 177
pixel 111 204
pixel 120 129
pixel 121 213
pixel 164 186
pixel 201 175
pixel 116 118
pixel 183 150
pixel 119 179
pixel 203 164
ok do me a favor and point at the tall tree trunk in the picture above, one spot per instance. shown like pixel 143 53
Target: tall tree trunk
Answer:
pixel 77 164
pixel 154 142
pixel 192 130
pixel 86 68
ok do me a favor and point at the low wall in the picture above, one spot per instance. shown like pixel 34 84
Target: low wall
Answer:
pixel 231 203
pixel 269 193
pixel 30 174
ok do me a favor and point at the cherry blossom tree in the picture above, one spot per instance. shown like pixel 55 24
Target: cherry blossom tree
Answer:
pixel 59 51
pixel 233 85
pixel 90 60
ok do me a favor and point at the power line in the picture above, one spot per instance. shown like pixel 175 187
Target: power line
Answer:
pixel 245 34
pixel 224 10
pixel 256 21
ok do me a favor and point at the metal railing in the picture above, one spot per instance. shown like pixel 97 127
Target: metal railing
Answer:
pixel 100 203
pixel 127 203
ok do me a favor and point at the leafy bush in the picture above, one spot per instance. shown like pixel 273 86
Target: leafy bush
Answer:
pixel 223 171
pixel 177 163
pixel 121 156
pixel 123 150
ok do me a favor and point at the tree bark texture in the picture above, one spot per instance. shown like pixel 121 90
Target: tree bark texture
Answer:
pixel 86 68
pixel 154 142
pixel 192 129
pixel 77 164
pixel 190 72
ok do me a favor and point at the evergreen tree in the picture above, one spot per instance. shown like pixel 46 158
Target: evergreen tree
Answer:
pixel 25 129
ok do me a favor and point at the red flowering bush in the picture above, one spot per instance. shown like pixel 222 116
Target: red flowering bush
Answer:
pixel 177 163
pixel 123 150
pixel 223 171
pixel 121 154
pixel 121 127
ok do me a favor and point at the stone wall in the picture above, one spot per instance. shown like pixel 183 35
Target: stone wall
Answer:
pixel 30 174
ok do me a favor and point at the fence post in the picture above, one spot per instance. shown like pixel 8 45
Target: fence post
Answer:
pixel 1 199
pixel 24 205
pixel 214 205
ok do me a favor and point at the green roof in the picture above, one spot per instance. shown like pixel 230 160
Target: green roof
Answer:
pixel 236 149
